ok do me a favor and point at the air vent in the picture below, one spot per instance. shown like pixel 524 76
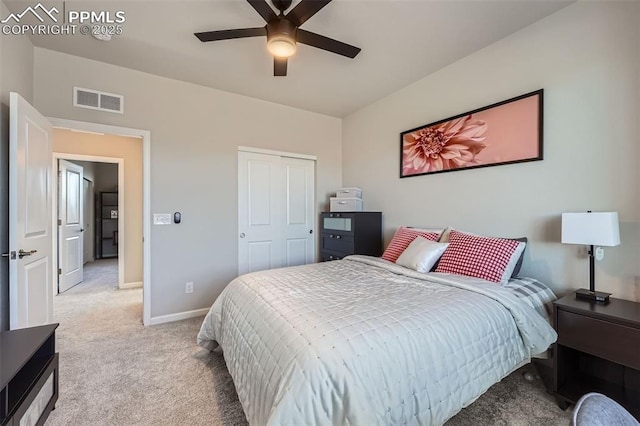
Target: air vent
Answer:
pixel 102 101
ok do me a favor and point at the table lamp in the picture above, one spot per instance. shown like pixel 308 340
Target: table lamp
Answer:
pixel 594 229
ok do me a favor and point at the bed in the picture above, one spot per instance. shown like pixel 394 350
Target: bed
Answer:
pixel 363 341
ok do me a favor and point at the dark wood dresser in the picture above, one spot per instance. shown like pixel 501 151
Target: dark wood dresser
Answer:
pixel 345 233
pixel 598 350
pixel 28 375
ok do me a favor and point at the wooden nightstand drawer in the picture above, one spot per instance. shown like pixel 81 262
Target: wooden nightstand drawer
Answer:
pixel 597 351
pixel 613 342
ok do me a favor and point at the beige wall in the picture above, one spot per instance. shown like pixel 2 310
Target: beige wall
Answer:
pixel 16 75
pixel 129 149
pixel 195 132
pixel 587 58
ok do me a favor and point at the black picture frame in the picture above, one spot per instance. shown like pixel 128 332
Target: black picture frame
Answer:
pixel 438 147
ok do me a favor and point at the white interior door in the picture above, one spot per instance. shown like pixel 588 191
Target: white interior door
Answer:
pixel 30 213
pixel 70 225
pixel 259 176
pixel 275 211
pixel 87 213
pixel 299 215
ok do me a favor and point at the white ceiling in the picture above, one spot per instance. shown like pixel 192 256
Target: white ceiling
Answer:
pixel 401 40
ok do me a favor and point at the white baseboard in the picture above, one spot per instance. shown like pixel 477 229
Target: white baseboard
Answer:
pixel 125 286
pixel 177 317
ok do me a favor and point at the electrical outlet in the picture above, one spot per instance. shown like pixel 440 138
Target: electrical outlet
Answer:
pixel 188 287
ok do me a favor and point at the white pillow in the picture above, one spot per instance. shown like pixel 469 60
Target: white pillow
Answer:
pixel 421 254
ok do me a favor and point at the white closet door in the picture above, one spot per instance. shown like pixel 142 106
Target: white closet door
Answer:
pixel 299 215
pixel 275 211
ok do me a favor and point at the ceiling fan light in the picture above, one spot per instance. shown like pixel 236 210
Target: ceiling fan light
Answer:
pixel 281 45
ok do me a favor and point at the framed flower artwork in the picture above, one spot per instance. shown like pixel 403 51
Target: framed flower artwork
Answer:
pixel 503 133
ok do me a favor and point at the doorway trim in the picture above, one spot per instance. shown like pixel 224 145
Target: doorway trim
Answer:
pixel 121 188
pixel 146 195
pixel 278 153
pixel 90 211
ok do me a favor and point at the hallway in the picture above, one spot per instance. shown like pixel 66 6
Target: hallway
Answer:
pixel 99 275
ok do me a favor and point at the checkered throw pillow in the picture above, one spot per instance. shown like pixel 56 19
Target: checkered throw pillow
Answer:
pixel 401 240
pixel 476 256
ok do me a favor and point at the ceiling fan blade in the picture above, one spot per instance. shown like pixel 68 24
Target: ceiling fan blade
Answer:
pixel 326 43
pixel 305 10
pixel 229 34
pixel 279 66
pixel 263 9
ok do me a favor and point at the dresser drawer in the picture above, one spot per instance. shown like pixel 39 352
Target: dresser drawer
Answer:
pixel 338 223
pixel 337 242
pixel 331 256
pixel 613 342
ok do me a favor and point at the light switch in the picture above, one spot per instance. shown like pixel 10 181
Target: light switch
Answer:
pixel 162 218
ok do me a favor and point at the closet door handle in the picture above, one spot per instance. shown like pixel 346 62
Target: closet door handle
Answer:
pixel 22 253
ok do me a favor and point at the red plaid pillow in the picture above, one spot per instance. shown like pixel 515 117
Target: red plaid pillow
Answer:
pixel 475 256
pixel 401 240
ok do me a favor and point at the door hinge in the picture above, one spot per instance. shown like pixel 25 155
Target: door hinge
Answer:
pixel 59 271
pixel 59 222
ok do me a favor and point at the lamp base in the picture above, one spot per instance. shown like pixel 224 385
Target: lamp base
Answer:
pixel 592 296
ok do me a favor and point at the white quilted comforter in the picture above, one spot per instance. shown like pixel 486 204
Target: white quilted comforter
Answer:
pixel 365 342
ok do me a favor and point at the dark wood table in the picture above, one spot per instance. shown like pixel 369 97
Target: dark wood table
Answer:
pixel 28 375
pixel 598 350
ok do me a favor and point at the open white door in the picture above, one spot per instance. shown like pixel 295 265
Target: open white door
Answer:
pixel 30 212
pixel 70 228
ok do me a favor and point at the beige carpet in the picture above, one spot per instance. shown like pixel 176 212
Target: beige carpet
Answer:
pixel 114 371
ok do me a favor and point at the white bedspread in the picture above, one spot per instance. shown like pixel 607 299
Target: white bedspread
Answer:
pixel 365 342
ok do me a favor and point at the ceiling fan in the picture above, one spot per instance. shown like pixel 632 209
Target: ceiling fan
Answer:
pixel 283 31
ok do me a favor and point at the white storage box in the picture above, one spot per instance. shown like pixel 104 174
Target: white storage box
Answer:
pixel 349 193
pixel 339 204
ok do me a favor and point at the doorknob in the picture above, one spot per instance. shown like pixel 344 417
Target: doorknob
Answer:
pixel 242 235
pixel 22 253
pixel 81 229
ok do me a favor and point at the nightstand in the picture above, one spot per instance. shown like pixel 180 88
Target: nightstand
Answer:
pixel 598 350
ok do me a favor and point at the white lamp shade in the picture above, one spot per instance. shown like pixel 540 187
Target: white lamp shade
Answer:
pixel 597 228
pixel 281 45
